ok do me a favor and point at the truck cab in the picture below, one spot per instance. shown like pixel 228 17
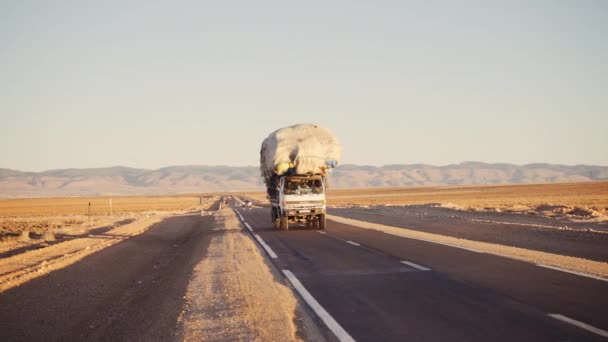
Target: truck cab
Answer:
pixel 299 198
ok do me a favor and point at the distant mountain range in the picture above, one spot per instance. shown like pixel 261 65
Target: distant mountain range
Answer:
pixel 195 178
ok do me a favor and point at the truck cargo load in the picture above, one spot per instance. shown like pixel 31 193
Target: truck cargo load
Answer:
pixel 294 162
pixel 299 149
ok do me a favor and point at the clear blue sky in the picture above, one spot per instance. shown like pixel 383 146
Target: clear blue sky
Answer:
pixel 149 83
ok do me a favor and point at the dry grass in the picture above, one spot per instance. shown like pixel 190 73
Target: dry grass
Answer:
pixel 99 205
pixel 589 195
pixel 23 228
pixel 46 218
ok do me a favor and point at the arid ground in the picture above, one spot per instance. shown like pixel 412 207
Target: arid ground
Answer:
pixel 186 268
pixel 158 268
pixel 31 222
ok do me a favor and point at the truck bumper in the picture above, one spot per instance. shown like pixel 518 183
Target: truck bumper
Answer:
pixel 304 212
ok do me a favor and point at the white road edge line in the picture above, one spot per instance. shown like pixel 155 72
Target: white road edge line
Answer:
pixel 329 321
pixel 404 236
pixel 248 227
pixel 572 272
pixel 324 233
pixel 439 243
pixel 266 247
pixel 422 268
pixel 352 243
pixel 579 324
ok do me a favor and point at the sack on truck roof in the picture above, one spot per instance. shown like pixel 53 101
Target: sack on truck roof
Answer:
pixel 299 149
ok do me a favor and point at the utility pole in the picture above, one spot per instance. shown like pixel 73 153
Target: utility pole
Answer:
pixel 89 211
pixel 110 200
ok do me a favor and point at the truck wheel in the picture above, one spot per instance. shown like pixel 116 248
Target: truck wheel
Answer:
pixel 309 222
pixel 315 223
pixel 284 223
pixel 322 221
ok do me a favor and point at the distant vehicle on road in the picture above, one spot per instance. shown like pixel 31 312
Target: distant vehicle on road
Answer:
pixel 248 204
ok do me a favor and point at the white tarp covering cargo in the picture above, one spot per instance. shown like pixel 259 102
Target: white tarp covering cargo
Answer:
pixel 299 149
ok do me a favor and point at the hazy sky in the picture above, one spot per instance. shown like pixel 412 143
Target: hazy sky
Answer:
pixel 149 83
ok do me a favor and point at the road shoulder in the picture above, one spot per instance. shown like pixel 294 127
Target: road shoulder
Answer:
pixel 236 294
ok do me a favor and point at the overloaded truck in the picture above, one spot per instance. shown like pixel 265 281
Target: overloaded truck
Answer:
pixel 294 162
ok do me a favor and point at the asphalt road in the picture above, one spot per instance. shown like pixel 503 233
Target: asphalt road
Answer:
pixel 586 240
pixel 132 291
pixel 359 278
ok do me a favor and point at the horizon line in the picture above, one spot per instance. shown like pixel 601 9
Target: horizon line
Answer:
pixel 346 164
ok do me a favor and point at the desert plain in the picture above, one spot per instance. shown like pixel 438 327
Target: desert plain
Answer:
pixel 194 252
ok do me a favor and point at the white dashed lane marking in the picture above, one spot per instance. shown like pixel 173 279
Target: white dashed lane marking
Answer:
pixel 416 266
